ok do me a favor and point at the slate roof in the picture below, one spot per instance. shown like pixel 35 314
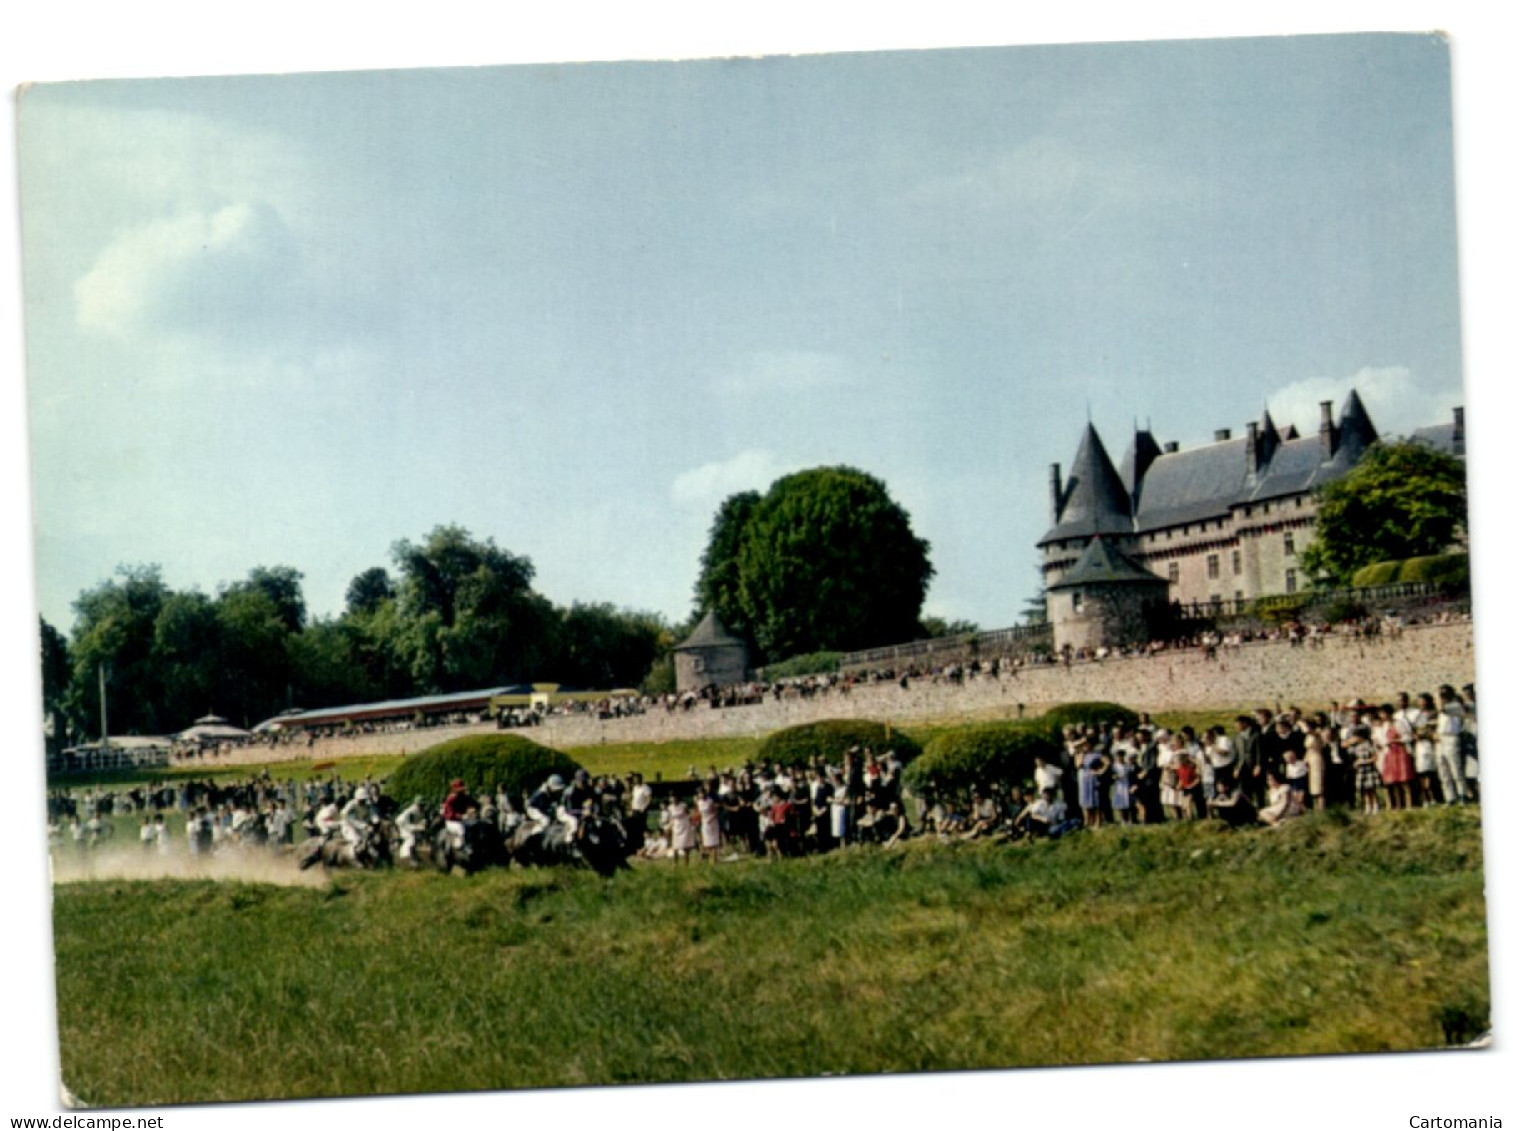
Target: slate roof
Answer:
pixel 1103 563
pixel 1154 490
pixel 1093 500
pixel 1442 438
pixel 710 633
pixel 1192 485
pixel 459 700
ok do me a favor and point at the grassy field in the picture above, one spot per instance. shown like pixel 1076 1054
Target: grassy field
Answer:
pixel 1327 935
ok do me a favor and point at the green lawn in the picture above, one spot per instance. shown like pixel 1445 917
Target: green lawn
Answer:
pixel 1331 934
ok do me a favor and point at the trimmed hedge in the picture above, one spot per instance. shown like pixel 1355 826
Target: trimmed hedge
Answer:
pixel 1449 571
pixel 992 755
pixel 1087 712
pixel 811 663
pixel 1379 573
pixel 484 762
pixel 831 738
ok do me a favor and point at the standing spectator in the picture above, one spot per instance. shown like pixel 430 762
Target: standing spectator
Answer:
pixel 1089 765
pixel 1368 777
pixel 1316 763
pixel 1449 759
pixel 1397 763
pixel 1189 785
pixel 1250 775
pixel 709 826
pixel 1420 721
pixel 1470 754
pixel 1119 792
pixel 678 821
pixel 1166 763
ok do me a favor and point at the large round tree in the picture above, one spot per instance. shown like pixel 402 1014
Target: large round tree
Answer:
pixel 825 561
pixel 1403 500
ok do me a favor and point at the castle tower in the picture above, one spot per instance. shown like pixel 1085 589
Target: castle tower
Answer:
pixel 1104 599
pixel 710 655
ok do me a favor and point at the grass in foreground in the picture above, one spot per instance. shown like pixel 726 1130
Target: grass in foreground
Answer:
pixel 1329 935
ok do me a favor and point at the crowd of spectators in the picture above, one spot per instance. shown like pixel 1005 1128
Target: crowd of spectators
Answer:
pixel 1419 750
pixel 1270 767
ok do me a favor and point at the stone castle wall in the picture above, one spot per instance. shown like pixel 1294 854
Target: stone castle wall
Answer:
pixel 1250 675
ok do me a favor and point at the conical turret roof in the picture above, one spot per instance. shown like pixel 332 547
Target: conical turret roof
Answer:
pixel 1095 501
pixel 1357 433
pixel 710 633
pixel 1102 563
pixel 1143 452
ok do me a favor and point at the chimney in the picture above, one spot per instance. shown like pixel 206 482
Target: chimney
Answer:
pixel 1458 436
pixel 1252 447
pixel 1221 434
pixel 1171 446
pixel 1055 493
pixel 1329 439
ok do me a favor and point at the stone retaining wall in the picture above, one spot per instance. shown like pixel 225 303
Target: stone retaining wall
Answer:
pixel 1250 675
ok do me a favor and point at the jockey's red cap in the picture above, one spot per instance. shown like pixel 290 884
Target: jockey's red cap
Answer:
pixel 458 784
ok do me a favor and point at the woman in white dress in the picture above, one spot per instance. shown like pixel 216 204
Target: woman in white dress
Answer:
pixel 678 821
pixel 709 825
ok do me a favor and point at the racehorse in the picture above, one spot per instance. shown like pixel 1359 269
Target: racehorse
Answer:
pixel 483 846
pixel 600 843
pixel 336 851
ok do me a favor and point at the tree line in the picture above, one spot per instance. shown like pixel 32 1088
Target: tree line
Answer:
pixel 456 614
pixel 824 561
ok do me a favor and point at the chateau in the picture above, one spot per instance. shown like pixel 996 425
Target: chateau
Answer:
pixel 1223 522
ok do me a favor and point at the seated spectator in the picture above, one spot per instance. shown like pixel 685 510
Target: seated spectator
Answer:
pixel 1282 802
pixel 984 817
pixel 1046 817
pixel 1231 806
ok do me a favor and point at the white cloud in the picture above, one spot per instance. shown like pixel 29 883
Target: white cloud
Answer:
pixel 788 371
pixel 186 273
pixel 1397 400
pixel 710 483
pixel 100 169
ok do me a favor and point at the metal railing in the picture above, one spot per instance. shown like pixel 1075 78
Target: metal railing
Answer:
pixel 998 641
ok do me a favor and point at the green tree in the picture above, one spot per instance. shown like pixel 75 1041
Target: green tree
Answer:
pixel 188 658
pixel 327 667
pixel 826 561
pixel 281 585
pixel 468 616
pixel 719 584
pixel 55 676
pixel 369 589
pixel 256 674
pixel 380 660
pixel 602 647
pixel 114 630
pixel 1033 611
pixel 1402 500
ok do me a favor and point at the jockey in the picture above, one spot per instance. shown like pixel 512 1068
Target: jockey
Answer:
pixel 327 819
pixel 455 810
pixel 577 800
pixel 357 818
pixel 542 805
pixel 411 823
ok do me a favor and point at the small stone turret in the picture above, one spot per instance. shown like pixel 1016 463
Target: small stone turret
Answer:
pixel 710 655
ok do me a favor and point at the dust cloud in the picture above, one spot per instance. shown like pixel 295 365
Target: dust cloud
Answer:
pixel 128 862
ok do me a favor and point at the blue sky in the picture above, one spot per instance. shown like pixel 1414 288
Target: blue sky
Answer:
pixel 293 320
